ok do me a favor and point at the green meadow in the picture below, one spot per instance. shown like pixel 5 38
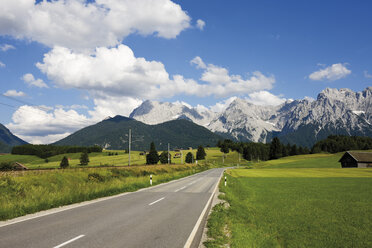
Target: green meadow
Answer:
pixel 300 201
pixel 25 192
pixel 214 156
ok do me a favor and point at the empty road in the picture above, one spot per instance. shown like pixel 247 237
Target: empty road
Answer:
pixel 160 216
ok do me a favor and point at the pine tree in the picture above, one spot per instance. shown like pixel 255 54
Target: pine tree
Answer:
pixel 164 158
pixel 275 149
pixel 189 158
pixel 153 156
pixel 200 154
pixel 84 159
pixel 64 163
pixel 294 150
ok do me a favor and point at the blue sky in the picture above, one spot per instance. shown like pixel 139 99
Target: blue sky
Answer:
pixel 265 51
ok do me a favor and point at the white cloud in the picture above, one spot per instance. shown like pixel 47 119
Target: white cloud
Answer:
pixel 265 98
pixel 182 103
pixel 221 106
pixel 331 73
pixel 2 64
pixel 200 24
pixel 117 72
pixel 367 75
pixel 222 84
pixel 81 25
pixel 44 124
pixel 35 123
pixel 309 98
pixel 198 62
pixel 45 139
pixel 112 106
pixel 14 93
pixel 74 106
pixel 6 47
pixel 31 81
pixel 201 108
pixel 108 72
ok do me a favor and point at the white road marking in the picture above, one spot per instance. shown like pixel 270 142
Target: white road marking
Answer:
pixel 69 241
pixel 156 201
pixel 180 189
pixel 193 232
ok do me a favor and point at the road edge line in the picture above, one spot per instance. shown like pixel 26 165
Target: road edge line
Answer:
pixel 197 225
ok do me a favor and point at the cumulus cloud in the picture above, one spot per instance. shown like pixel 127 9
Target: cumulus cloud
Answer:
pixel 31 81
pixel 45 125
pixel 117 72
pixel 112 106
pixel 265 98
pixel 2 64
pixel 14 93
pixel 6 47
pixel 330 73
pixel 79 24
pixel 220 83
pixel 200 24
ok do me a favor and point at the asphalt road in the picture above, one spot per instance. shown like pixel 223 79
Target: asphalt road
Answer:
pixel 160 216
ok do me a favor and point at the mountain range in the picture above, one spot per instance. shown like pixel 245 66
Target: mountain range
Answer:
pixel 301 122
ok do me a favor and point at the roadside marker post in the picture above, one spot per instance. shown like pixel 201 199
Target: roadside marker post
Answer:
pixel 150 179
pixel 225 181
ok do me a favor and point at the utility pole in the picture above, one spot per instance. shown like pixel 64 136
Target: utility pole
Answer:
pixel 168 155
pixel 130 140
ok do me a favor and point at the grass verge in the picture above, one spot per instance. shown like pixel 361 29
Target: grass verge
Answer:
pixel 32 191
pixel 297 208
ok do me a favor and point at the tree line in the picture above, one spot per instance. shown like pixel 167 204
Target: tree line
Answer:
pixel 274 150
pixel 340 143
pixel 45 151
pixel 260 151
pixel 153 156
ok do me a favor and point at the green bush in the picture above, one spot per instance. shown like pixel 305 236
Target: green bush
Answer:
pixel 95 177
pixel 4 166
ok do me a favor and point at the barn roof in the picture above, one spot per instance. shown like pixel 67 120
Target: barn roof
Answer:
pixel 360 156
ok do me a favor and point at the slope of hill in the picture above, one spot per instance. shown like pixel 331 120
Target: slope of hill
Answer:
pixel 112 133
pixel 4 148
pixel 7 139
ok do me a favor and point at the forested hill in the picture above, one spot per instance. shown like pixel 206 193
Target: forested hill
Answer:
pixel 113 134
pixel 8 140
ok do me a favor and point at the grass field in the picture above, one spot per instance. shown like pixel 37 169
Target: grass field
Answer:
pixel 295 207
pixel 25 192
pixel 319 160
pixel 102 159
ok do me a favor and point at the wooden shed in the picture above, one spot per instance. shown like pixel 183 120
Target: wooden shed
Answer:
pixel 356 160
pixel 19 166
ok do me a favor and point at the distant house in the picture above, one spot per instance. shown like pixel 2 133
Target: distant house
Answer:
pixel 356 160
